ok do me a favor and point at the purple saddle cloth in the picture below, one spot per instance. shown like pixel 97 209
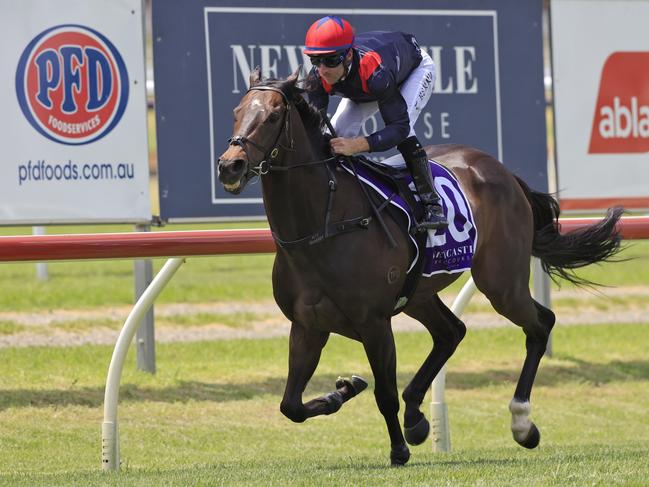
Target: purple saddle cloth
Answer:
pixel 448 250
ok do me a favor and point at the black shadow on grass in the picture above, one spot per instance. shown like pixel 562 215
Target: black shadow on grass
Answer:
pixel 183 391
pixel 554 375
pixel 550 375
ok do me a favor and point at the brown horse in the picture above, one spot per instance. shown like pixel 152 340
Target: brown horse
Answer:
pixel 348 284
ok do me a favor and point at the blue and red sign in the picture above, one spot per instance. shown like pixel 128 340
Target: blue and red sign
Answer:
pixel 72 84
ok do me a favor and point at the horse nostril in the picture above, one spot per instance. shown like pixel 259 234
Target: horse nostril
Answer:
pixel 231 168
pixel 238 166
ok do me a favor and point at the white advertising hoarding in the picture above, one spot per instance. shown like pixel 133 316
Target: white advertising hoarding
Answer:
pixel 600 53
pixel 73 104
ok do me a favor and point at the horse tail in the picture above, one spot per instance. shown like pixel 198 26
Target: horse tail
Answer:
pixel 560 254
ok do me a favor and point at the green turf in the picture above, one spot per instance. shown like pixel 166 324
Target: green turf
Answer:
pixel 210 416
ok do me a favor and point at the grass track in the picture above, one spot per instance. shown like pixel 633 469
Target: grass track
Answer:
pixel 210 416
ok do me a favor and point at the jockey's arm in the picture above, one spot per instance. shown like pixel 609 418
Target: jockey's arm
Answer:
pixel 349 146
pixel 393 109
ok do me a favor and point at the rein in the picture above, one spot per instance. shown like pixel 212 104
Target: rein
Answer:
pixel 267 164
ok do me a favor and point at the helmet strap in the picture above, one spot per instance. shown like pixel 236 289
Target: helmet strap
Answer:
pixel 347 65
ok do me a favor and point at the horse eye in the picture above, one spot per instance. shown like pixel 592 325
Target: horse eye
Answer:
pixel 273 117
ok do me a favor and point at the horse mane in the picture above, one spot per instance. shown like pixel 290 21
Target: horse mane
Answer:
pixel 312 119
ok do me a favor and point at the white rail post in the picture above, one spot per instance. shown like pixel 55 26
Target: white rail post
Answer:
pixel 440 430
pixel 542 293
pixel 109 428
pixel 41 267
pixel 145 335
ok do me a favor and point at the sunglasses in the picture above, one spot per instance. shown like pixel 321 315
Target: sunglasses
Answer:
pixel 330 61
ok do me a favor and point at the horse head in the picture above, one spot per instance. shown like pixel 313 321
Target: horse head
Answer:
pixel 261 122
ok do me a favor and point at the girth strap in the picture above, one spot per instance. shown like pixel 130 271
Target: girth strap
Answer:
pixel 413 277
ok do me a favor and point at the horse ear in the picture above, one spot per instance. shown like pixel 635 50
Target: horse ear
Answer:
pixel 255 76
pixel 292 79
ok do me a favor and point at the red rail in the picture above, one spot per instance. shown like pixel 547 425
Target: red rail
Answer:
pixel 630 227
pixel 102 246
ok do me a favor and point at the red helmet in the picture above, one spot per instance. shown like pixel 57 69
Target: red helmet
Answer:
pixel 327 35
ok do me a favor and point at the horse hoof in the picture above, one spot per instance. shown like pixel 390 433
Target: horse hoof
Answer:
pixel 533 438
pixel 418 433
pixel 359 384
pixel 356 384
pixel 399 455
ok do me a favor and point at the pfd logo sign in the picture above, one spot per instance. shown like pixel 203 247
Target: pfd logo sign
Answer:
pixel 621 122
pixel 72 84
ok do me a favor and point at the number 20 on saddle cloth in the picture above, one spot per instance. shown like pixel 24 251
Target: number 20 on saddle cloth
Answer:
pixel 449 250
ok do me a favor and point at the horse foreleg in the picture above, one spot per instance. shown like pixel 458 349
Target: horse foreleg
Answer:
pixel 305 347
pixel 378 342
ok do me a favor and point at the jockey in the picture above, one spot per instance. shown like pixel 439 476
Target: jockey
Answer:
pixel 384 71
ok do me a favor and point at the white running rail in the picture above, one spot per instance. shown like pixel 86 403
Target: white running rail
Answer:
pixel 440 432
pixel 109 428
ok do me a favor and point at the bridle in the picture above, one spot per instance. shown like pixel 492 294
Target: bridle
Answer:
pixel 271 154
pixel 270 157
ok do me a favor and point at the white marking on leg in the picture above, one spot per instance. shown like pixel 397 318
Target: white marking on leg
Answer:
pixel 521 423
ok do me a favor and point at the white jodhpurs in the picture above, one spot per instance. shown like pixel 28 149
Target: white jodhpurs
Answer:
pixel 416 90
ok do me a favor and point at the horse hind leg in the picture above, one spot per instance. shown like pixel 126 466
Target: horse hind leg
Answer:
pixel 523 429
pixel 515 303
pixel 447 331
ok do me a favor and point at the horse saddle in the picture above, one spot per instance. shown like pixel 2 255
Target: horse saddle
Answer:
pixel 440 251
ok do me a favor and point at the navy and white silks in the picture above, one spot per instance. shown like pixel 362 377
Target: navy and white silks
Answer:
pixel 389 73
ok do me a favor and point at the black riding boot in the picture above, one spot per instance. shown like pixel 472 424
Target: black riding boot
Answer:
pixel 417 162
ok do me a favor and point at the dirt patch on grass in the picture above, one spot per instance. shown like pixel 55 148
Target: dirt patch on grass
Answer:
pixel 264 320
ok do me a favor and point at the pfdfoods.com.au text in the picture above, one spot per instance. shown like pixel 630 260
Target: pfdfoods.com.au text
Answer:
pixel 42 171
